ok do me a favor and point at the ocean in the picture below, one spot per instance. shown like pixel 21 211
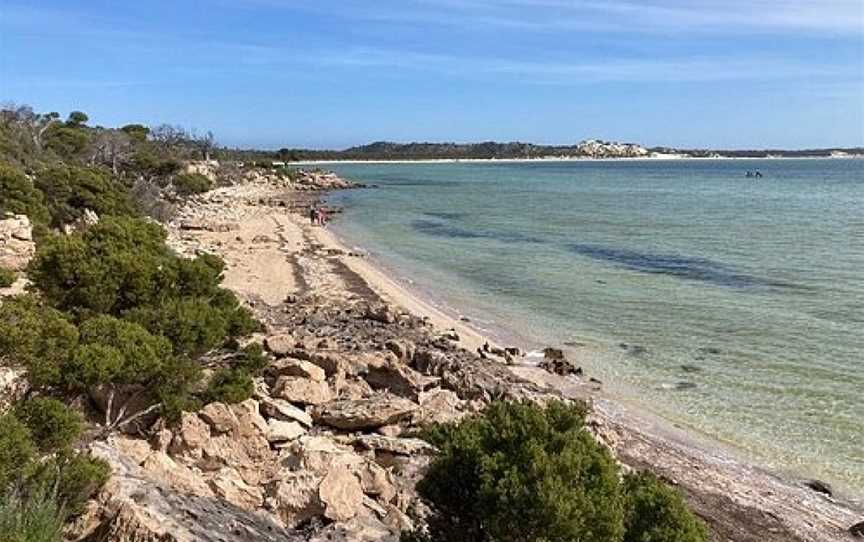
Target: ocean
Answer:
pixel 731 306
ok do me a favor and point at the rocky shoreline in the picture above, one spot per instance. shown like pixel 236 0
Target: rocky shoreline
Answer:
pixel 323 451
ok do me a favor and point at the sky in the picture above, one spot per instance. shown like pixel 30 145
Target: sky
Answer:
pixel 331 74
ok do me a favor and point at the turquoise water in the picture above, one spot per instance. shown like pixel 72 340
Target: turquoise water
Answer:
pixel 730 305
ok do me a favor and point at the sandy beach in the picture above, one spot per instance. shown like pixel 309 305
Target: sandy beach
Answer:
pixel 273 253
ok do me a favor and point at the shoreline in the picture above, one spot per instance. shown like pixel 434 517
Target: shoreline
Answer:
pixel 660 158
pixel 619 403
pixel 740 501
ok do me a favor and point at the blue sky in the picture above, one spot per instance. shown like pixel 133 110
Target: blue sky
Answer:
pixel 274 73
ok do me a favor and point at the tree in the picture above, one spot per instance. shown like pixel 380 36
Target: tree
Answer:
pixel 110 148
pixel 137 132
pixel 77 119
pixel 204 144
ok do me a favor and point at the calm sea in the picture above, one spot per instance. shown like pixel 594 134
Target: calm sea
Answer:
pixel 730 305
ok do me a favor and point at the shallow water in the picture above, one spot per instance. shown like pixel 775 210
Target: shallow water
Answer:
pixel 731 305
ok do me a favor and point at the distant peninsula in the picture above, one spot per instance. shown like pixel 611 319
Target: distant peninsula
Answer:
pixel 490 150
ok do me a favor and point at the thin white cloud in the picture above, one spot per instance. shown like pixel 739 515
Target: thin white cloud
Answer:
pixel 690 69
pixel 681 16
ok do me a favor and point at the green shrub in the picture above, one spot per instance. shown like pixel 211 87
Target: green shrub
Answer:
pixel 521 472
pixel 192 325
pixel 252 358
pixel 655 512
pixel 7 278
pixel 53 426
pixel 113 266
pixel 187 184
pixel 80 477
pixel 31 517
pixel 230 385
pixel 16 450
pixel 38 337
pixel 19 196
pixel 66 141
pixel 68 190
pixel 524 472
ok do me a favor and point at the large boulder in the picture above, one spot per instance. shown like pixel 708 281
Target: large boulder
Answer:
pixel 302 390
pixel 294 497
pixel 281 432
pixel 229 485
pixel 369 413
pixel 300 368
pixel 283 410
pixel 341 493
pixel 389 373
pixel 320 455
pixel 220 418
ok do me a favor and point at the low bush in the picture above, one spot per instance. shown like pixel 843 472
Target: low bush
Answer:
pixel 230 385
pixel 53 426
pixel 655 512
pixel 36 337
pixel 187 184
pixel 16 450
pixel 524 472
pixel 7 278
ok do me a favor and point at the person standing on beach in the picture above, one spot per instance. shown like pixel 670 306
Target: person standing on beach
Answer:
pixel 313 214
pixel 322 216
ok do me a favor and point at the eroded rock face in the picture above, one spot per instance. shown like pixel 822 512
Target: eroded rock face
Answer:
pixel 370 413
pixel 134 507
pixel 16 242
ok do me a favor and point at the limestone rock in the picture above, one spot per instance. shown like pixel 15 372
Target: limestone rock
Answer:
pixel 403 350
pixel 160 466
pixel 376 480
pixel 190 437
pixel 320 455
pixel 380 313
pixel 134 507
pixel 283 410
pixel 16 242
pixel 299 368
pixel 341 493
pixel 439 406
pixel 390 374
pixel 280 431
pixel 302 390
pixel 251 423
pixel 281 344
pixel 367 413
pixel 219 417
pixel 393 445
pixel 295 497
pixel 228 485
